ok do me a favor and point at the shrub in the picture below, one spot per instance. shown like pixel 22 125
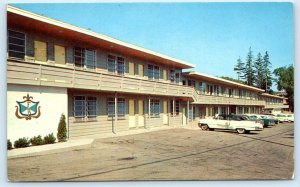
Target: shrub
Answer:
pixel 62 129
pixel 49 139
pixel 37 140
pixel 21 142
pixel 9 144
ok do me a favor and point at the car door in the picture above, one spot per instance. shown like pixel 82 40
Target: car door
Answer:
pixel 222 122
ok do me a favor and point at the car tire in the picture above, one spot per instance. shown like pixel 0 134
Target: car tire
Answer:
pixel 204 127
pixel 241 131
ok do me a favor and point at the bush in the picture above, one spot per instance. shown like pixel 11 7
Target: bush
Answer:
pixel 9 144
pixel 49 139
pixel 21 142
pixel 62 129
pixel 37 140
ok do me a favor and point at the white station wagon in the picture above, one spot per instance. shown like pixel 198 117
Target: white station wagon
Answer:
pixel 230 122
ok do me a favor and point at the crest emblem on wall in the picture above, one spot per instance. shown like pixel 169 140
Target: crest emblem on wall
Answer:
pixel 28 108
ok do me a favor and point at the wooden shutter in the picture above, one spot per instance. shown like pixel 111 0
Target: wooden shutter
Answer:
pixel 131 68
pixel 131 107
pixel 165 74
pixel 40 51
pixel 141 70
pixel 165 106
pixel 141 107
pixel 60 54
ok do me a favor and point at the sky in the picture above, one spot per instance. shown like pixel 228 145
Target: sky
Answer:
pixel 210 35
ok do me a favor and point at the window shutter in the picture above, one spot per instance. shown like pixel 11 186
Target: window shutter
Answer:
pixel 29 46
pixel 50 51
pixel 70 54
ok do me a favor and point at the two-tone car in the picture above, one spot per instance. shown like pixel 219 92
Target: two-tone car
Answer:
pixel 266 120
pixel 230 122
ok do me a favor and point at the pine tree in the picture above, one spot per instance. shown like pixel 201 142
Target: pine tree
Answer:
pixel 62 129
pixel 258 65
pixel 239 68
pixel 249 71
pixel 267 72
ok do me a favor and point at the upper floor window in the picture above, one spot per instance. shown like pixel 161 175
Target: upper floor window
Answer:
pixel 230 92
pixel 16 44
pixel 153 72
pixel 84 57
pixel 116 64
pixel 202 87
pixel 172 75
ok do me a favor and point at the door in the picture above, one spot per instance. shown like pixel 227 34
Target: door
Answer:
pixel 59 54
pixel 132 121
pixel 141 70
pixel 40 51
pixel 141 119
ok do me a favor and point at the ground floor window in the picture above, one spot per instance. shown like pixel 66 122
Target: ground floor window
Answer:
pixel 120 108
pixel 85 107
pixel 154 108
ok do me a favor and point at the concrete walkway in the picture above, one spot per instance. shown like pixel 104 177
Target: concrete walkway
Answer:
pixel 78 143
pixel 49 148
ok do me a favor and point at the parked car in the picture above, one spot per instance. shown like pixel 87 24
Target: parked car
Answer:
pixel 230 122
pixel 290 117
pixel 270 116
pixel 266 121
pixel 281 117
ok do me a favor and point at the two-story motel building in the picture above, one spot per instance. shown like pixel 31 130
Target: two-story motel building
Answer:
pixel 105 85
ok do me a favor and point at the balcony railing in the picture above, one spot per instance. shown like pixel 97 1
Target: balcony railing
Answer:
pixel 20 72
pixel 275 105
pixel 222 100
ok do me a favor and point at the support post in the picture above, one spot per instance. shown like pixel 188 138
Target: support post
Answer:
pixel 115 119
pixel 188 111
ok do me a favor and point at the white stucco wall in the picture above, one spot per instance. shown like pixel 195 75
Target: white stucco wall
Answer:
pixel 53 102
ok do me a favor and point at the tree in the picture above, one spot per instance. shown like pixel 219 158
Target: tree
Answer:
pixel 267 72
pixel 249 71
pixel 62 129
pixel 285 81
pixel 239 67
pixel 258 65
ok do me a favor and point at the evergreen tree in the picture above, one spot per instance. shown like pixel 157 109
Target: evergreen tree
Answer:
pixel 239 68
pixel 267 72
pixel 258 65
pixel 62 129
pixel 249 71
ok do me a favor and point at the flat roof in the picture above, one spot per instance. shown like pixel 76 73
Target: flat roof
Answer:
pixel 206 77
pixel 101 40
pixel 274 96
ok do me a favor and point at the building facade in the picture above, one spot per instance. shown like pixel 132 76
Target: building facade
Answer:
pixel 104 85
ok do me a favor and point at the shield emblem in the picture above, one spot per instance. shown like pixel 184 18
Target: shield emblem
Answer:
pixel 27 109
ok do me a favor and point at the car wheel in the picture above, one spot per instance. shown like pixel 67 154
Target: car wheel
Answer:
pixel 241 131
pixel 204 127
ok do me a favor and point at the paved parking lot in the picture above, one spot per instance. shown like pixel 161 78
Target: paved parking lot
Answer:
pixel 174 154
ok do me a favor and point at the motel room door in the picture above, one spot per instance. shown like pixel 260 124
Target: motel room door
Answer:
pixel 136 113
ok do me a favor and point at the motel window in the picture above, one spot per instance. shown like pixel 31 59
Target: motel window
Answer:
pixel 230 92
pixel 174 108
pixel 16 44
pixel 202 87
pixel 172 75
pixel 120 108
pixel 154 108
pixel 84 58
pixel 223 90
pixel 85 107
pixel 116 64
pixel 153 72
